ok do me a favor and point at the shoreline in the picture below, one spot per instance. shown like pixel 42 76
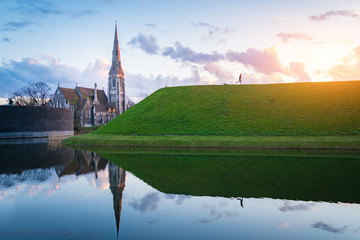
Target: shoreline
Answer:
pixel 210 147
pixel 349 143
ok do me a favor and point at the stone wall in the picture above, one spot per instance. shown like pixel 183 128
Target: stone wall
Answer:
pixel 30 121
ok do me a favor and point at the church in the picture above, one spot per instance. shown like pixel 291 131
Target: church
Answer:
pixel 91 106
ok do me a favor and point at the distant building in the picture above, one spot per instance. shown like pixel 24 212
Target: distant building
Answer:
pixel 91 106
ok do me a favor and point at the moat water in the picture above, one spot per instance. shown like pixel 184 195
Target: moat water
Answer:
pixel 49 191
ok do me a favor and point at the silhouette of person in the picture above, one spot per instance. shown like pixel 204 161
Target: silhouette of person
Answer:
pixel 240 81
pixel 241 201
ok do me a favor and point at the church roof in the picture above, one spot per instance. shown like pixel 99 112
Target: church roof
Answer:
pixel 100 108
pixel 101 96
pixel 70 95
pixel 87 92
pixel 81 103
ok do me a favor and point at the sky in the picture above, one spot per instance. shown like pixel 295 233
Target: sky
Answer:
pixel 178 42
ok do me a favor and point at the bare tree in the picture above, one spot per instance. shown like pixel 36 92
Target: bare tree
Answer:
pixel 32 95
pixel 128 103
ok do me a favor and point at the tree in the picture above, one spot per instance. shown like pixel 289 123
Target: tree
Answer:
pixel 128 103
pixel 33 95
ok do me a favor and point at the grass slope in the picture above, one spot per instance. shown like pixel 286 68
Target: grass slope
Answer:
pixel 318 109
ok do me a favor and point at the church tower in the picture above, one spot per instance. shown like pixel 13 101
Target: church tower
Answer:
pixel 116 84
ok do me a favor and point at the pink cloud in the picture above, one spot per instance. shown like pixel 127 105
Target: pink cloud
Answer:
pixel 297 69
pixel 267 62
pixel 186 54
pixel 286 37
pixel 347 71
pixel 329 14
pixel 263 61
pixel 215 68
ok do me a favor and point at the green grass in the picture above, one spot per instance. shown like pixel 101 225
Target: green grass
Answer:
pixel 312 142
pixel 297 115
pixel 297 109
pixel 322 176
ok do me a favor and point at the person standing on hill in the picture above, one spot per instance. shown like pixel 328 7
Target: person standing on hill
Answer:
pixel 240 81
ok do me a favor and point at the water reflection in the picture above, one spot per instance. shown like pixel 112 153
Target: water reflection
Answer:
pixel 48 191
pixel 29 166
pixel 117 185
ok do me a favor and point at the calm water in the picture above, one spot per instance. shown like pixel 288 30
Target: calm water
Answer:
pixel 48 191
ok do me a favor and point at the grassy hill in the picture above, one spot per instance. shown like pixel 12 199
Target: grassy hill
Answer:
pixel 296 109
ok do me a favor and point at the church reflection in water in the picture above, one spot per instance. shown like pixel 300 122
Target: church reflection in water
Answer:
pixel 27 163
pixel 85 162
pixel 117 185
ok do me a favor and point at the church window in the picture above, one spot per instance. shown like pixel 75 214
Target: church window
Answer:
pixel 113 82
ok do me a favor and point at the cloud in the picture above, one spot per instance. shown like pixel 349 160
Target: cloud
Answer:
pixel 213 30
pixel 43 8
pixel 214 68
pixel 137 84
pixel 37 7
pixel 329 14
pixel 329 227
pixel 17 74
pixel 300 207
pixel 279 19
pixel 256 78
pixel 151 25
pixel 32 175
pixel 14 26
pixel 297 69
pixel 83 13
pixel 101 182
pixel 148 203
pixel 185 54
pixel 349 69
pixel 267 62
pixel 97 72
pixel 179 199
pixel 284 225
pixel 286 37
pixel 5 39
pixel 146 43
pixel 263 61
pixel 215 214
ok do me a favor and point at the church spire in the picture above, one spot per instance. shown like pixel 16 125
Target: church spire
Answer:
pixel 116 61
pixel 116 81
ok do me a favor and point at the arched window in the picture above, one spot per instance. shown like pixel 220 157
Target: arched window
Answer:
pixel 113 82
